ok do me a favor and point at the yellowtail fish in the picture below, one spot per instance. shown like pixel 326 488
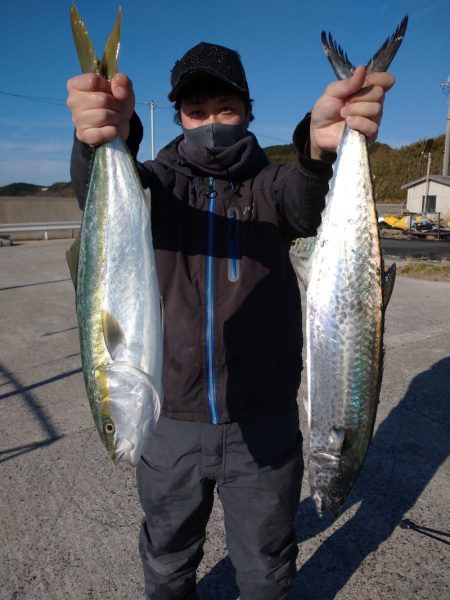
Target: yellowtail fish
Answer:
pixel 347 293
pixel 117 292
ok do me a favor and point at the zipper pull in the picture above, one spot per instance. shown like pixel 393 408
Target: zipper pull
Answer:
pixel 212 187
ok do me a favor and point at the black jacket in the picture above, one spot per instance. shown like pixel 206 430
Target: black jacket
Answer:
pixel 232 328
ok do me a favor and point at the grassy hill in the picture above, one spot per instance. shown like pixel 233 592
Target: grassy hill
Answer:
pixel 59 189
pixel 391 167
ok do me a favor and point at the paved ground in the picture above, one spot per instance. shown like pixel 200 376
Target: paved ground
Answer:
pixel 69 518
pixel 417 249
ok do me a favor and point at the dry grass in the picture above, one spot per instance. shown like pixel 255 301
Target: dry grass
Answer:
pixel 425 270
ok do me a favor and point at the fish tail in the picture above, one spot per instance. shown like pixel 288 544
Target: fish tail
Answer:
pixel 378 63
pixel 108 65
pixel 385 55
pixel 338 58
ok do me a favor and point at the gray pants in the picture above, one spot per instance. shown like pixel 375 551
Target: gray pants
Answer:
pixel 257 466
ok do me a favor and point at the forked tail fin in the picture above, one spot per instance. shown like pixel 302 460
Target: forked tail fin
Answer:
pixel 378 63
pixel 107 66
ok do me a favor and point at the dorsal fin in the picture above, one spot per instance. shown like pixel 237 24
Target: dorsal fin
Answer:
pixel 380 60
pixel 107 67
pixel 300 254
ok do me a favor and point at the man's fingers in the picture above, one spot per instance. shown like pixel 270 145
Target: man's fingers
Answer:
pixel 79 101
pixel 89 82
pixel 121 87
pixel 100 118
pixel 347 87
pixel 365 126
pixel 373 93
pixel 384 80
pixel 371 110
pixel 371 87
pixel 98 135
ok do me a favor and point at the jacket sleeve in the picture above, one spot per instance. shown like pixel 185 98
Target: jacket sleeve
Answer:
pixel 300 188
pixel 82 155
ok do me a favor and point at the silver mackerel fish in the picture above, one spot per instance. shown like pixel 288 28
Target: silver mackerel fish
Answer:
pixel 347 293
pixel 117 292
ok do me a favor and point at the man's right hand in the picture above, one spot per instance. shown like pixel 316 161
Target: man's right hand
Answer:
pixel 101 109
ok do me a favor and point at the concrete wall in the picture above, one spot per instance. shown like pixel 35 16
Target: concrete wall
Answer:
pixel 35 209
pixel 442 193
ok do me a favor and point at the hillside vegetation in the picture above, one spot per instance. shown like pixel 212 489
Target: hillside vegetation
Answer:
pixel 391 167
pixel 59 189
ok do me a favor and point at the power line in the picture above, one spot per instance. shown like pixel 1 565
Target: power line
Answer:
pixel 151 103
pixel 42 99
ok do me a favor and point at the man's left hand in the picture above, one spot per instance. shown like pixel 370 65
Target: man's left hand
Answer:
pixel 357 101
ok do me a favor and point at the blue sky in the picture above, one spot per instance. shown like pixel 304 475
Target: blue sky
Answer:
pixel 279 43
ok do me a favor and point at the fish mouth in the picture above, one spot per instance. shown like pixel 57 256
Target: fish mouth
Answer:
pixel 328 501
pixel 121 448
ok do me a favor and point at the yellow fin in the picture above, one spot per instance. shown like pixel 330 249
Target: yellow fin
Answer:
pixel 107 67
pixel 72 255
pixel 110 60
pixel 113 334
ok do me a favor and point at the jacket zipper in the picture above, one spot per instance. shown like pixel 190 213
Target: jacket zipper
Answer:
pixel 210 354
pixel 233 264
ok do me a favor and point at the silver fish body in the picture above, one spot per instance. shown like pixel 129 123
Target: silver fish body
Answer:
pixel 344 328
pixel 347 292
pixel 119 306
pixel 117 292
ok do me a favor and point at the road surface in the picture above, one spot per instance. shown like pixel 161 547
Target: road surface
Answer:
pixel 69 518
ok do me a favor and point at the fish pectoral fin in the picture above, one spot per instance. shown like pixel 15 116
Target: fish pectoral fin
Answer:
pixel 388 283
pixel 107 67
pixel 336 440
pixel 113 334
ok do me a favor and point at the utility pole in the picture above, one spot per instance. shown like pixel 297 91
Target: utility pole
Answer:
pixel 427 186
pixel 427 150
pixel 151 103
pixel 446 88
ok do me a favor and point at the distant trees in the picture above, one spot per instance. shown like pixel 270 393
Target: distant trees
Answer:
pixel 391 167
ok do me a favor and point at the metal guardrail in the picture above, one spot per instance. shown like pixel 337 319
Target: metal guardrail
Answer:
pixel 7 228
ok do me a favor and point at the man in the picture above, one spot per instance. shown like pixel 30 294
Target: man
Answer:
pixel 223 219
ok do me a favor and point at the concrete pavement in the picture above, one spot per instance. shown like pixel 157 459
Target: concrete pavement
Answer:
pixel 69 518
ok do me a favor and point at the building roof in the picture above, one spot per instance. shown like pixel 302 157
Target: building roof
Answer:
pixel 442 179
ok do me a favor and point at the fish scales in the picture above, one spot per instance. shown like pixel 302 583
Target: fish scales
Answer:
pixel 116 270
pixel 347 293
pixel 117 292
pixel 344 322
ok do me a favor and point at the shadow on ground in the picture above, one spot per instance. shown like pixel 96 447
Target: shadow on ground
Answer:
pixel 41 416
pixel 406 451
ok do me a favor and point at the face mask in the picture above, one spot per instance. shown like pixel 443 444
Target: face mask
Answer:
pixel 216 135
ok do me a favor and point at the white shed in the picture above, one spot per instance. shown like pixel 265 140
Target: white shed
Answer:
pixel 438 197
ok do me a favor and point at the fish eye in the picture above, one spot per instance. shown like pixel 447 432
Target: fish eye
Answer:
pixel 109 428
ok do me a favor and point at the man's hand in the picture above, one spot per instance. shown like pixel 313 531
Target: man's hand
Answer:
pixel 357 101
pixel 101 109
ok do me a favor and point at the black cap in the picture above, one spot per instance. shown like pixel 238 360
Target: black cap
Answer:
pixel 209 59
